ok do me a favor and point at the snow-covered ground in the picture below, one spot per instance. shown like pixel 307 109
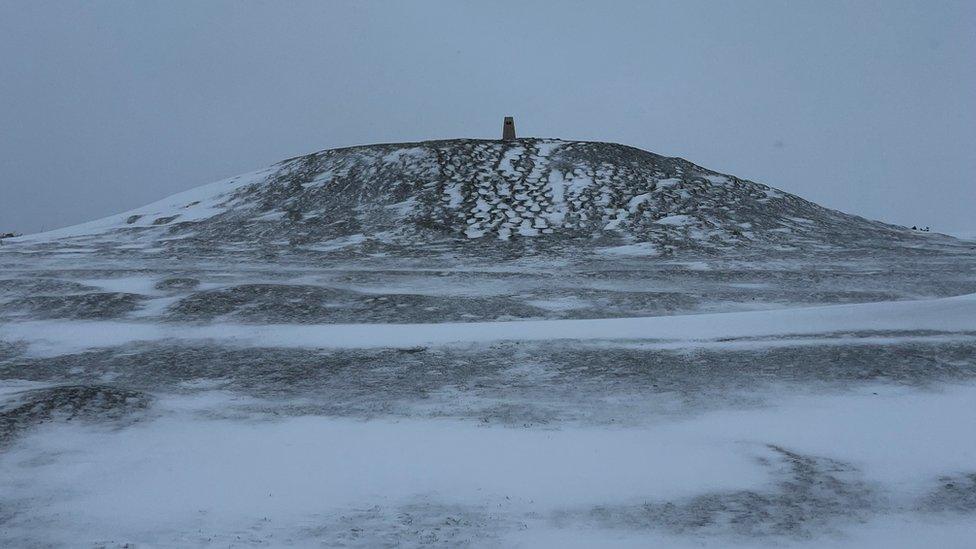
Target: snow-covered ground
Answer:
pixel 953 315
pixel 864 468
pixel 469 343
pixel 550 452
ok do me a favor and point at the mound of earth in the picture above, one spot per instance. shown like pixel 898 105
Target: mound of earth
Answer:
pixel 534 195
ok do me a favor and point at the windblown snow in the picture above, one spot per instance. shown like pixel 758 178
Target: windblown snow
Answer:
pixel 536 343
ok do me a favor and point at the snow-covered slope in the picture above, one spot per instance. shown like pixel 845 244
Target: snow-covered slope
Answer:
pixel 467 343
pixel 617 199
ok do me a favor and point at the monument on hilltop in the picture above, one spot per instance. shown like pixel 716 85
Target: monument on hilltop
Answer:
pixel 508 129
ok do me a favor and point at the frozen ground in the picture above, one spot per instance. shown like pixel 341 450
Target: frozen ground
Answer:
pixel 484 344
pixel 384 403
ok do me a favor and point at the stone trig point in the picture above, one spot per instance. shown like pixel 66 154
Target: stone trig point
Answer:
pixel 508 128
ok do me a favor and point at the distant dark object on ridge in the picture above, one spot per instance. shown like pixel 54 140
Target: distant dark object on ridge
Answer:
pixel 508 129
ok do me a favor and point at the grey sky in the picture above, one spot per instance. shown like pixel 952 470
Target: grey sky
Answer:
pixel 869 107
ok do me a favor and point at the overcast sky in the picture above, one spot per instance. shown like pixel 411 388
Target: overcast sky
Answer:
pixel 869 107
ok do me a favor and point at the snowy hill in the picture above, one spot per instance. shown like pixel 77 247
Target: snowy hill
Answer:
pixel 534 343
pixel 614 198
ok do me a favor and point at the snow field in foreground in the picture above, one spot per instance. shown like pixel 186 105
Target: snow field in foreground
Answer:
pixel 184 471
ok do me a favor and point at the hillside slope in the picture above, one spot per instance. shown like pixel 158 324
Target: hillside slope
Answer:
pixel 619 199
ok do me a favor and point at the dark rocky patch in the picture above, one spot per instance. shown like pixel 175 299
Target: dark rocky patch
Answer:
pixel 811 494
pixel 39 285
pixel 164 220
pixel 100 305
pixel 11 349
pixel 68 403
pixel 280 303
pixel 414 525
pixel 954 493
pixel 261 302
pixel 177 283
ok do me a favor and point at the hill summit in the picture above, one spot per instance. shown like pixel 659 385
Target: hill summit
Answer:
pixel 487 192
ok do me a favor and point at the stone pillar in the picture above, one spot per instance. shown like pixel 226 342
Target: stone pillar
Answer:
pixel 508 129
